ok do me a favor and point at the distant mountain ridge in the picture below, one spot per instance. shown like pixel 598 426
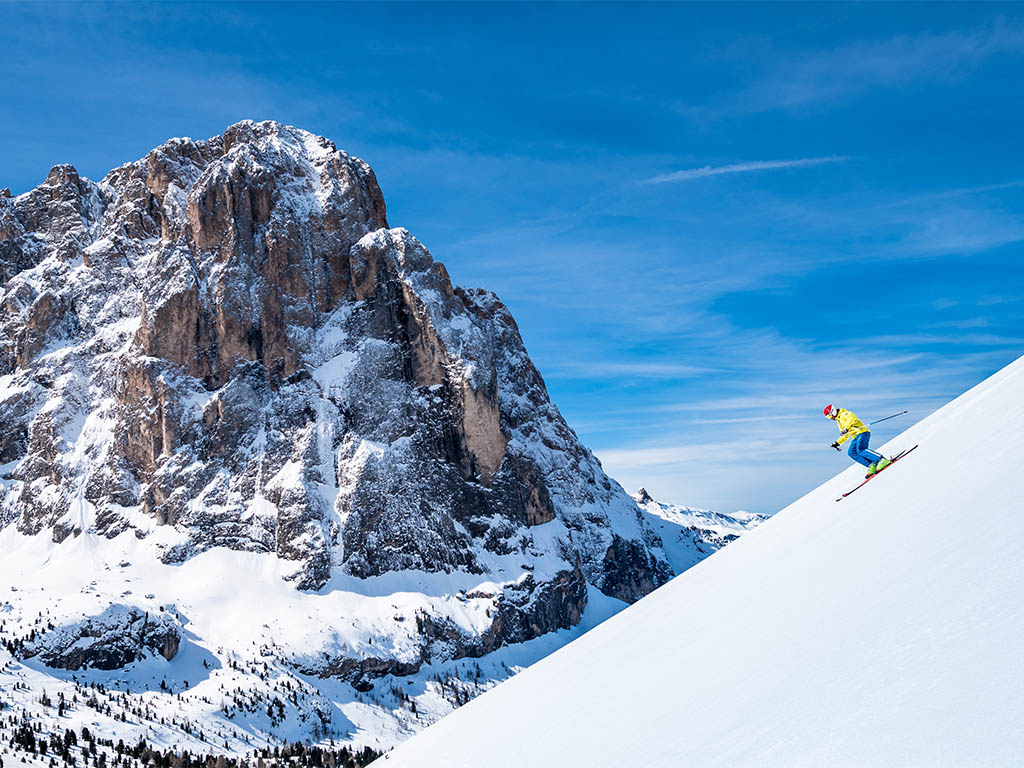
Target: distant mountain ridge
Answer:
pixel 689 534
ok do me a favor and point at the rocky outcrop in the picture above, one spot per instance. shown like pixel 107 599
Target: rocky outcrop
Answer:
pixel 113 639
pixel 226 339
pixel 522 611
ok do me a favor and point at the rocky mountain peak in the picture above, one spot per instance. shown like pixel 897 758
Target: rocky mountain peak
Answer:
pixel 642 496
pixel 224 345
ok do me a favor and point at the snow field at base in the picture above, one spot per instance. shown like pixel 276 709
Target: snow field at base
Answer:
pixel 887 630
pixel 246 633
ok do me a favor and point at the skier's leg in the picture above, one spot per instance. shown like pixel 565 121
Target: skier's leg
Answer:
pixel 871 455
pixel 856 451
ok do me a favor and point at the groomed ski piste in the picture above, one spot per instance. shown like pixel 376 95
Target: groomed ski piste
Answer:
pixel 884 631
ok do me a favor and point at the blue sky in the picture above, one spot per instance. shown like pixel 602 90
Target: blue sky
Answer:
pixel 708 220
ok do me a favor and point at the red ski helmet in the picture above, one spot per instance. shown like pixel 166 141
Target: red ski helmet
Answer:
pixel 829 410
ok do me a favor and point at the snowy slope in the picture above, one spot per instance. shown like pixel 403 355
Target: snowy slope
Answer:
pixel 247 640
pixel 887 629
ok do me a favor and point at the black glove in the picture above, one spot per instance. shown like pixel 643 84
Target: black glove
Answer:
pixel 836 446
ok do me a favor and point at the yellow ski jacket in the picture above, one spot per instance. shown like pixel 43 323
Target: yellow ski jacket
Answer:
pixel 849 425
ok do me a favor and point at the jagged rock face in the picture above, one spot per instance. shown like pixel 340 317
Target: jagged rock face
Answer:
pixel 224 345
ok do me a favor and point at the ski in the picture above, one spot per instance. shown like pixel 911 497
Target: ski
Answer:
pixel 892 461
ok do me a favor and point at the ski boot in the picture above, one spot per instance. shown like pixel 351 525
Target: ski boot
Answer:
pixel 878 466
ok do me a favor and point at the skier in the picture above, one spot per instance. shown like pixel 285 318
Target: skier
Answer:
pixel 850 426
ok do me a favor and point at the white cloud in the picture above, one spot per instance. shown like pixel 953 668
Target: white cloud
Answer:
pixel 953 229
pixel 583 369
pixel 688 174
pixel 806 78
pixel 850 69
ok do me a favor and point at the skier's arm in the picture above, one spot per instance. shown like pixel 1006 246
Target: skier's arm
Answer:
pixel 844 425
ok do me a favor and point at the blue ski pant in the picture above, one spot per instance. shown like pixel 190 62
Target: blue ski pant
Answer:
pixel 859 450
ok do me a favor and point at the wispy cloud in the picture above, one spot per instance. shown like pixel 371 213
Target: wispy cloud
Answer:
pixel 584 369
pixel 952 193
pixel 806 78
pixel 688 174
pixel 973 339
pixel 955 229
pixel 675 454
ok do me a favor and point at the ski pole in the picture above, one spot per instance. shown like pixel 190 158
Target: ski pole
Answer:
pixel 887 417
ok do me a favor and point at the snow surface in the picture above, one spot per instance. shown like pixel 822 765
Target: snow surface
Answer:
pixel 885 630
pixel 247 635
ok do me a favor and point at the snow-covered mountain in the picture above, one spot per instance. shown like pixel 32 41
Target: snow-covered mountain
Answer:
pixel 223 344
pixel 265 473
pixel 689 535
pixel 883 630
